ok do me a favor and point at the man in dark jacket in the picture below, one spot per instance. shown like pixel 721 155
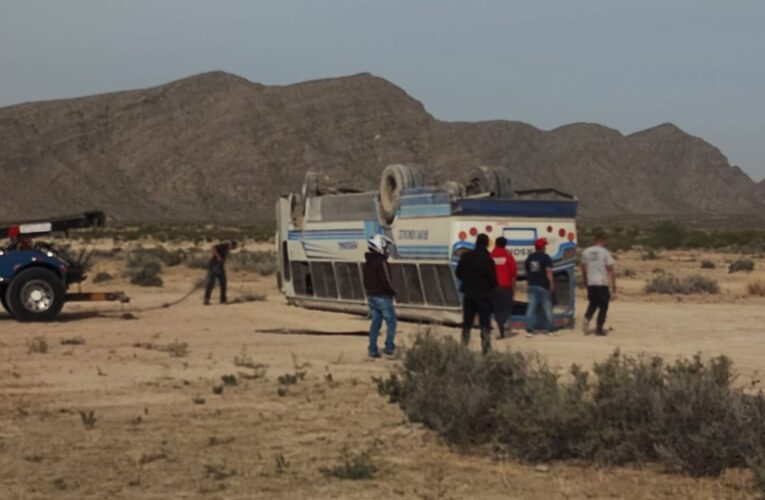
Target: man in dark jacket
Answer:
pixel 479 279
pixel 380 294
pixel 541 286
pixel 217 269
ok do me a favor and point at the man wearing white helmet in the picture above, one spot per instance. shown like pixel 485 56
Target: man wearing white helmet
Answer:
pixel 380 293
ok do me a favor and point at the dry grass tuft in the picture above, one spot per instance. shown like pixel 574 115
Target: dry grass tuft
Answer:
pixel 756 288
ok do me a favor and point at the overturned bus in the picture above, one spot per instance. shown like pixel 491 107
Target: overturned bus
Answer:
pixel 321 240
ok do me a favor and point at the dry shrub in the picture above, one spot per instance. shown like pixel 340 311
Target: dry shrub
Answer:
pixel 263 263
pixel 102 277
pixel 649 255
pixel 686 415
pixel 37 345
pixel 707 264
pixel 146 275
pixel 693 284
pixel 740 265
pixel 351 465
pixel 159 254
pixel 628 272
pixel 198 260
pixel 756 287
pixel 758 474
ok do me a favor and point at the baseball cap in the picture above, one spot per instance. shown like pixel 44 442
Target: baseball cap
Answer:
pixel 540 243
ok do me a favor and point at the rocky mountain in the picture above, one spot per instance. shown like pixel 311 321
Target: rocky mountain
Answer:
pixel 217 147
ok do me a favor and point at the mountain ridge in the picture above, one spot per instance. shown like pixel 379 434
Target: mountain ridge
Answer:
pixel 218 147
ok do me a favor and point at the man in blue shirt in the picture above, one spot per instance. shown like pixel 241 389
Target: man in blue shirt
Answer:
pixel 541 285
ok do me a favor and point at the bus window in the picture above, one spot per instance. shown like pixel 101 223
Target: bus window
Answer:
pixel 302 282
pixel 285 262
pixel 448 285
pixel 324 279
pixel 406 282
pixel 439 285
pixel 562 291
pixel 430 285
pixel 349 281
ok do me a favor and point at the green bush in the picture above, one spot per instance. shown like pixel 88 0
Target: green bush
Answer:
pixel 744 265
pixel 687 415
pixel 694 284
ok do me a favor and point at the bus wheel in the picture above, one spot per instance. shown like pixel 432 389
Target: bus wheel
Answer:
pixel 311 184
pixel 395 179
pixel 36 295
pixel 492 180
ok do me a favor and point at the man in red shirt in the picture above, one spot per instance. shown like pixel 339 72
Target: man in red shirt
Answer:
pixel 507 270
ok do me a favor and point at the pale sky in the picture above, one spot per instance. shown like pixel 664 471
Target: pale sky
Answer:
pixel 626 64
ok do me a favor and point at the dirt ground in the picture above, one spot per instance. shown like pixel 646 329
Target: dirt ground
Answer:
pixel 161 432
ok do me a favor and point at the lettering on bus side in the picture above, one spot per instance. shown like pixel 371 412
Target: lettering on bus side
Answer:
pixel 413 234
pixel 347 245
pixel 521 252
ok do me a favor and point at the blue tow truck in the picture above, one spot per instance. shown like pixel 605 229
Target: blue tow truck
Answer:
pixel 35 276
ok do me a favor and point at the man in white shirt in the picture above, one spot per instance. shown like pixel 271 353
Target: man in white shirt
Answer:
pixel 598 274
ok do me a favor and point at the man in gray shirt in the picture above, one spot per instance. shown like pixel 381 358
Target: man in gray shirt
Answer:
pixel 598 274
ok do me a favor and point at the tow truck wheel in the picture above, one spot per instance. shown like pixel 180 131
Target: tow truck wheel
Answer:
pixel 36 295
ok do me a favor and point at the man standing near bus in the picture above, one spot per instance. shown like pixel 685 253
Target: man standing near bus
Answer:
pixel 507 269
pixel 539 274
pixel 216 270
pixel 598 273
pixel 380 293
pixel 478 279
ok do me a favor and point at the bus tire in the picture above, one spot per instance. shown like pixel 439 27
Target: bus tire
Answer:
pixel 493 180
pixel 454 189
pixel 395 179
pixel 311 184
pixel 36 294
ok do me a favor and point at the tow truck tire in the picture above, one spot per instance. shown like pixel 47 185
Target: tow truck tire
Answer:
pixel 492 180
pixel 36 294
pixel 395 179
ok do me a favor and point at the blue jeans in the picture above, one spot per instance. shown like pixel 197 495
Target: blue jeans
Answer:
pixel 539 296
pixel 380 308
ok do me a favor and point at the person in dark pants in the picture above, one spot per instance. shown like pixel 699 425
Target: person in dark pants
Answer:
pixel 217 270
pixel 478 279
pixel 598 273
pixel 380 293
pixel 507 269
pixel 539 274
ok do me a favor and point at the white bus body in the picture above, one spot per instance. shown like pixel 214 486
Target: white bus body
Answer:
pixel 321 254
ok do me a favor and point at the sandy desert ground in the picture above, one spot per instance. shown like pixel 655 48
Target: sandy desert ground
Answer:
pixel 160 432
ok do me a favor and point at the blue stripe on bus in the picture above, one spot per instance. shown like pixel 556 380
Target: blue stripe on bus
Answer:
pixel 522 208
pixel 425 199
pixel 354 234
